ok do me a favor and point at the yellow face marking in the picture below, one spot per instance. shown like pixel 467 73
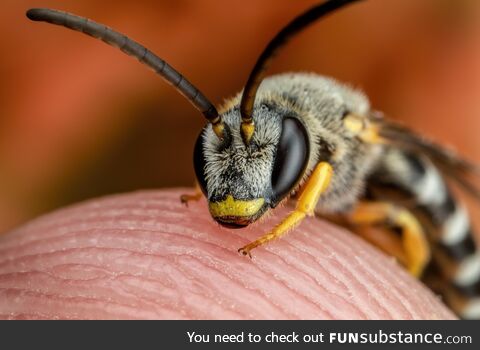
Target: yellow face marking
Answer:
pixel 235 207
pixel 314 187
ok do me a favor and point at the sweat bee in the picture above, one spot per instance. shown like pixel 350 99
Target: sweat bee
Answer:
pixel 315 139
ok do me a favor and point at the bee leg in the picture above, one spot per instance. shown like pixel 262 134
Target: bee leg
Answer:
pixel 316 184
pixel 195 196
pixel 414 241
pixel 383 238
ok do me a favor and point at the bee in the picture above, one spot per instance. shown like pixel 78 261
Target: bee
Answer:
pixel 311 138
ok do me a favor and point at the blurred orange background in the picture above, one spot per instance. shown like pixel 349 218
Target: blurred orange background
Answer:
pixel 80 119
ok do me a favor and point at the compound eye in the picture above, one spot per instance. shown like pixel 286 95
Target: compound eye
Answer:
pixel 291 158
pixel 199 163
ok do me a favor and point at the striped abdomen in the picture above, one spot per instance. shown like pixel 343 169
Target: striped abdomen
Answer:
pixel 413 181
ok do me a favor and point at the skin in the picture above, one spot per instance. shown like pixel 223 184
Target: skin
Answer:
pixel 57 120
pixel 80 119
pixel 144 255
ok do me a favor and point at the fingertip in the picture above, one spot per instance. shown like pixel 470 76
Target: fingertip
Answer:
pixel 144 255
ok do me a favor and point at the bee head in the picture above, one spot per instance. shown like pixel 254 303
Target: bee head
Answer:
pixel 243 180
pixel 244 167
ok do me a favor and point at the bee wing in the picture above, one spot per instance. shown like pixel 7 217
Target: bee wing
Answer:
pixel 451 164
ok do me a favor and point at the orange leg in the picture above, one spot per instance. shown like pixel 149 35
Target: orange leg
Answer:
pixel 314 187
pixel 195 196
pixel 414 243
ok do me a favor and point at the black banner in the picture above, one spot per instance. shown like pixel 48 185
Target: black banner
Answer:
pixel 241 334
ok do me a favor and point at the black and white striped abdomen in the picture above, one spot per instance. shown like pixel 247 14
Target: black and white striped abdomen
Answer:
pixel 413 181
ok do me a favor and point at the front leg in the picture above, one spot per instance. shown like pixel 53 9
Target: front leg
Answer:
pixel 316 184
pixel 195 196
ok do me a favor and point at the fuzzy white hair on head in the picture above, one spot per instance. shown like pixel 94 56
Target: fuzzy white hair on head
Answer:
pixel 237 170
